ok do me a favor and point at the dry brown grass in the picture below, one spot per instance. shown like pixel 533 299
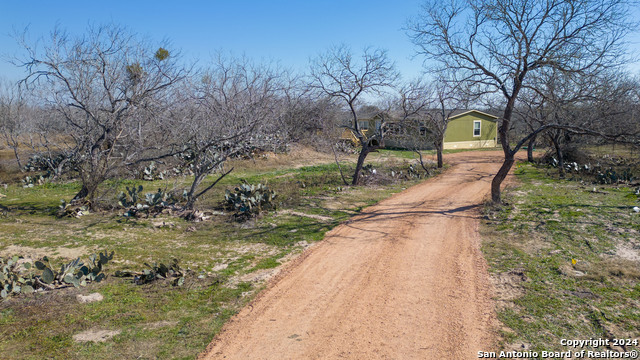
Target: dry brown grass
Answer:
pixel 297 157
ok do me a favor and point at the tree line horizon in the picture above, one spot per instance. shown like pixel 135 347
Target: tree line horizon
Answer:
pixel 99 104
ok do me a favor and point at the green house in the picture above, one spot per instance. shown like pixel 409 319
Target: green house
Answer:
pixel 471 129
pixel 466 129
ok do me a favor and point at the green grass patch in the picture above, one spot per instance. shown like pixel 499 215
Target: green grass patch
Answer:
pixel 570 258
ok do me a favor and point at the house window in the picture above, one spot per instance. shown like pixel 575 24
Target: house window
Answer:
pixel 378 126
pixel 476 127
pixel 424 130
pixel 392 129
pixel 363 125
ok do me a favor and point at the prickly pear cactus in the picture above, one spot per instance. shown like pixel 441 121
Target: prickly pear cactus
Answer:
pixel 19 276
pixel 132 199
pixel 250 200
pixel 15 277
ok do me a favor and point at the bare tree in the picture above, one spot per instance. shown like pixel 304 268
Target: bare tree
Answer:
pixel 577 104
pixel 108 88
pixel 337 74
pixel 26 126
pixel 232 108
pixel 13 111
pixel 613 106
pixel 413 102
pixel 446 98
pixel 309 117
pixel 496 45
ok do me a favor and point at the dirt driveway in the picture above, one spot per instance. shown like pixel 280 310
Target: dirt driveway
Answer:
pixel 403 280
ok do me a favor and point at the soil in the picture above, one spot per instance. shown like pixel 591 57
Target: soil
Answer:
pixel 403 280
pixel 297 157
pixel 93 297
pixel 38 253
pixel 311 216
pixel 95 335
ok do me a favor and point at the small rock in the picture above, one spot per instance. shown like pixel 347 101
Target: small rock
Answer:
pixel 636 209
pixel 90 298
pixel 95 335
pixel 578 273
pixel 219 267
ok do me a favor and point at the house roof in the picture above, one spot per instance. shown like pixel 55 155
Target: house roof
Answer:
pixel 458 113
pixel 370 114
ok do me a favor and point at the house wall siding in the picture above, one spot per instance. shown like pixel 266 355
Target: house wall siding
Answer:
pixel 460 129
pixel 470 144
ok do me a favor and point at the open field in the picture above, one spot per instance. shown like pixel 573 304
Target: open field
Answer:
pixel 230 260
pixel 565 262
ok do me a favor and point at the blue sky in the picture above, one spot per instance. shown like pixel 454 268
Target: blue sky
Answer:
pixel 286 31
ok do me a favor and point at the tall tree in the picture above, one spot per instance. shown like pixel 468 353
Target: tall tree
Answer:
pixel 109 88
pixel 498 45
pixel 339 75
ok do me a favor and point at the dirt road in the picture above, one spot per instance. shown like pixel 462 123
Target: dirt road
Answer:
pixel 403 280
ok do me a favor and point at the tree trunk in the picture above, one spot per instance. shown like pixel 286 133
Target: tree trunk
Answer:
pixel 191 195
pixel 559 154
pixel 503 132
pixel 426 169
pixel 439 148
pixel 87 194
pixel 532 143
pixel 81 194
pixel 15 153
pixel 363 155
pixel 344 180
pixel 500 176
pixel 191 203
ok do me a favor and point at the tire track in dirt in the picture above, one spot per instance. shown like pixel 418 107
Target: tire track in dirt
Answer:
pixel 403 280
